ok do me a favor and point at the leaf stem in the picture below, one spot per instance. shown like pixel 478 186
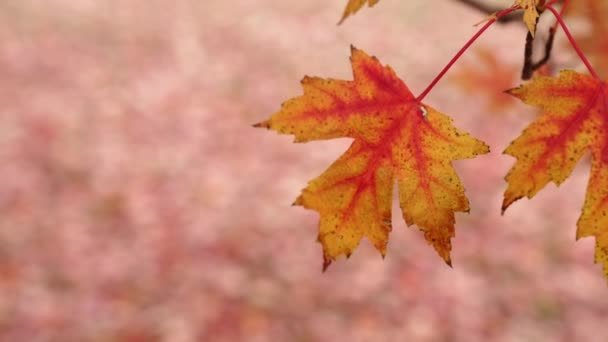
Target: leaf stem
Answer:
pixel 578 50
pixel 463 50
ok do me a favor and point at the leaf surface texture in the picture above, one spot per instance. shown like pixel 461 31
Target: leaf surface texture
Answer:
pixel 396 138
pixel 574 120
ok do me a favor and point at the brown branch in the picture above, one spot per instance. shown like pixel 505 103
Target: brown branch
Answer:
pixel 488 10
pixel 529 66
pixel 526 72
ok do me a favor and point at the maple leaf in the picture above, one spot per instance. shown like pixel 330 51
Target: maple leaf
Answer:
pixel 530 12
pixel 393 138
pixel 355 5
pixel 574 119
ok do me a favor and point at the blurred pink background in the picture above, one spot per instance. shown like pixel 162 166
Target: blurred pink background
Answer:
pixel 137 203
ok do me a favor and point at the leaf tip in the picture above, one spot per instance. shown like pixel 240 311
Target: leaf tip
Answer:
pixel 298 201
pixel 506 203
pixel 345 15
pixel 305 80
pixel 512 91
pixel 448 261
pixel 262 124
pixel 484 148
pixel 354 52
pixel 382 250
pixel 326 263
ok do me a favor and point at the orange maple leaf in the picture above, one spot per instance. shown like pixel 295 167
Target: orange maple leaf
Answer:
pixel 574 119
pixel 354 5
pixel 395 137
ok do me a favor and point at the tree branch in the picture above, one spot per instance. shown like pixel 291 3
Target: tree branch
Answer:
pixel 488 10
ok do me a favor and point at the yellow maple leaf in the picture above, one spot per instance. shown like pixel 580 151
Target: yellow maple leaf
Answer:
pixel 395 136
pixel 354 5
pixel 530 13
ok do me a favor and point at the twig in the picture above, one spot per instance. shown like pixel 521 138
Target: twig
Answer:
pixel 488 10
pixel 529 65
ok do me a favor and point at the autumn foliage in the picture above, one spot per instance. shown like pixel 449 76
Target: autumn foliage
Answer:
pixel 398 138
pixel 574 120
pixel 354 5
pixel 395 137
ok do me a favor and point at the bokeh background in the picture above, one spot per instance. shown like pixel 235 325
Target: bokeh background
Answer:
pixel 137 203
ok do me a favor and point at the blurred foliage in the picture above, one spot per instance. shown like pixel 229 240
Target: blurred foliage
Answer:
pixel 137 203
